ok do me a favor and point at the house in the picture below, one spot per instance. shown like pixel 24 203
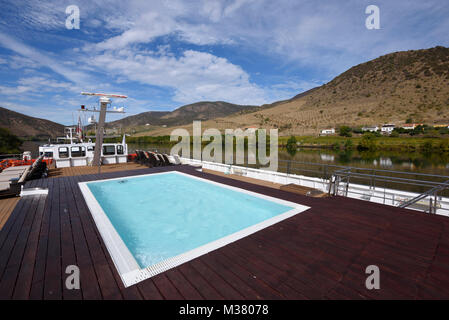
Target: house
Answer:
pixel 411 126
pixel 370 129
pixel 441 126
pixel 252 128
pixel 387 128
pixel 328 131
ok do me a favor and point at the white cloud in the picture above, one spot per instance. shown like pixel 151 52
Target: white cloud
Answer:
pixel 194 75
pixel 42 59
pixel 322 38
pixel 37 85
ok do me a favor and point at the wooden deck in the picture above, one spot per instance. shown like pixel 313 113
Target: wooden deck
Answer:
pixel 7 205
pixel 319 254
pixel 77 171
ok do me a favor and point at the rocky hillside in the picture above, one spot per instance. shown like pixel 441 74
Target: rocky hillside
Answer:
pixel 25 126
pixel 410 85
pixel 204 110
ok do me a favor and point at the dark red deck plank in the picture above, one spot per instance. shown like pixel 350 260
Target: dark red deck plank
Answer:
pixel 53 272
pixel 14 260
pixel 183 286
pixel 166 287
pixel 25 277
pixel 231 280
pixel 106 281
pixel 264 291
pixel 274 278
pixel 37 285
pixel 68 255
pixel 200 282
pixel 148 290
pixel 90 289
pixel 216 280
pixel 321 253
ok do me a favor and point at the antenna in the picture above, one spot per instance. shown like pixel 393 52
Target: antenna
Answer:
pixel 105 99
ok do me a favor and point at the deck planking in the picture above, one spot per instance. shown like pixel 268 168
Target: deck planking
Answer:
pixel 7 205
pixel 321 253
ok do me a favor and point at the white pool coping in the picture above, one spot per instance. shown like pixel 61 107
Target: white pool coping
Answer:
pixel 124 261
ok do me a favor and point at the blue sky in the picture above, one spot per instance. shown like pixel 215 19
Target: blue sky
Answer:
pixel 164 54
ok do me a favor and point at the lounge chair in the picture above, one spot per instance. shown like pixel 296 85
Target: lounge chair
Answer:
pixel 138 158
pixel 174 159
pixel 162 159
pixel 154 159
pixel 143 160
pixel 10 183
pixel 38 169
pixel 166 159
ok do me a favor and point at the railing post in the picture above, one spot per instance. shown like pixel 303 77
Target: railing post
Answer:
pixel 288 166
pixel 435 203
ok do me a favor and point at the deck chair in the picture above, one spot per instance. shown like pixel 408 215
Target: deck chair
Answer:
pixel 162 159
pixel 166 159
pixel 154 159
pixel 175 159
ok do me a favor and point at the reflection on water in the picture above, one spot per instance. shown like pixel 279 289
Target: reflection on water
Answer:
pixel 434 163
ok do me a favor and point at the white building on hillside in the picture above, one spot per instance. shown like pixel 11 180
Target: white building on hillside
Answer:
pixel 328 131
pixel 370 129
pixel 410 126
pixel 387 128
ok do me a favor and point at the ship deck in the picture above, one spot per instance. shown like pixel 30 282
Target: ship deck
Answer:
pixel 321 253
pixel 8 204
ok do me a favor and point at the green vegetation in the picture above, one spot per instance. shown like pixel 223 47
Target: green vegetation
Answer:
pixel 345 131
pixel 373 142
pixel 291 145
pixel 368 142
pixel 9 143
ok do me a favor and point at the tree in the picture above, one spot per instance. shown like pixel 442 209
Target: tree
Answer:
pixel 367 142
pixel 9 143
pixel 345 131
pixel 291 145
pixel 394 134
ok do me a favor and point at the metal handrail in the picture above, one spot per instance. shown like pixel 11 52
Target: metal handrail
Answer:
pixel 366 169
pixel 431 192
pixel 337 176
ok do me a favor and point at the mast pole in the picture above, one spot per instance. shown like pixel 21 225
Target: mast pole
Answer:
pixel 104 101
pixel 100 131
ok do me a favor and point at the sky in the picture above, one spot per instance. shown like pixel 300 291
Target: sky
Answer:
pixel 165 54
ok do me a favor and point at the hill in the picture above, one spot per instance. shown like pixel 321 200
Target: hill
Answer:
pixel 408 85
pixel 204 110
pixel 25 126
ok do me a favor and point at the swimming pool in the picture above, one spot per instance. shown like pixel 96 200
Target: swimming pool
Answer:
pixel 151 223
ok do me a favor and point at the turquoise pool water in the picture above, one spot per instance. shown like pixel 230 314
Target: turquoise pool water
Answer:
pixel 160 216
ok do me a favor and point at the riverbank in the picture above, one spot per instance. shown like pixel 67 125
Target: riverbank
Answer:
pixel 372 143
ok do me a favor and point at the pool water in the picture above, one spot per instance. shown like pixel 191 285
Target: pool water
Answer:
pixel 160 216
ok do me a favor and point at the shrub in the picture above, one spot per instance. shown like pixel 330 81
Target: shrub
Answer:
pixel 9 143
pixel 394 134
pixel 345 131
pixel 427 147
pixel 348 144
pixel 291 145
pixel 367 142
